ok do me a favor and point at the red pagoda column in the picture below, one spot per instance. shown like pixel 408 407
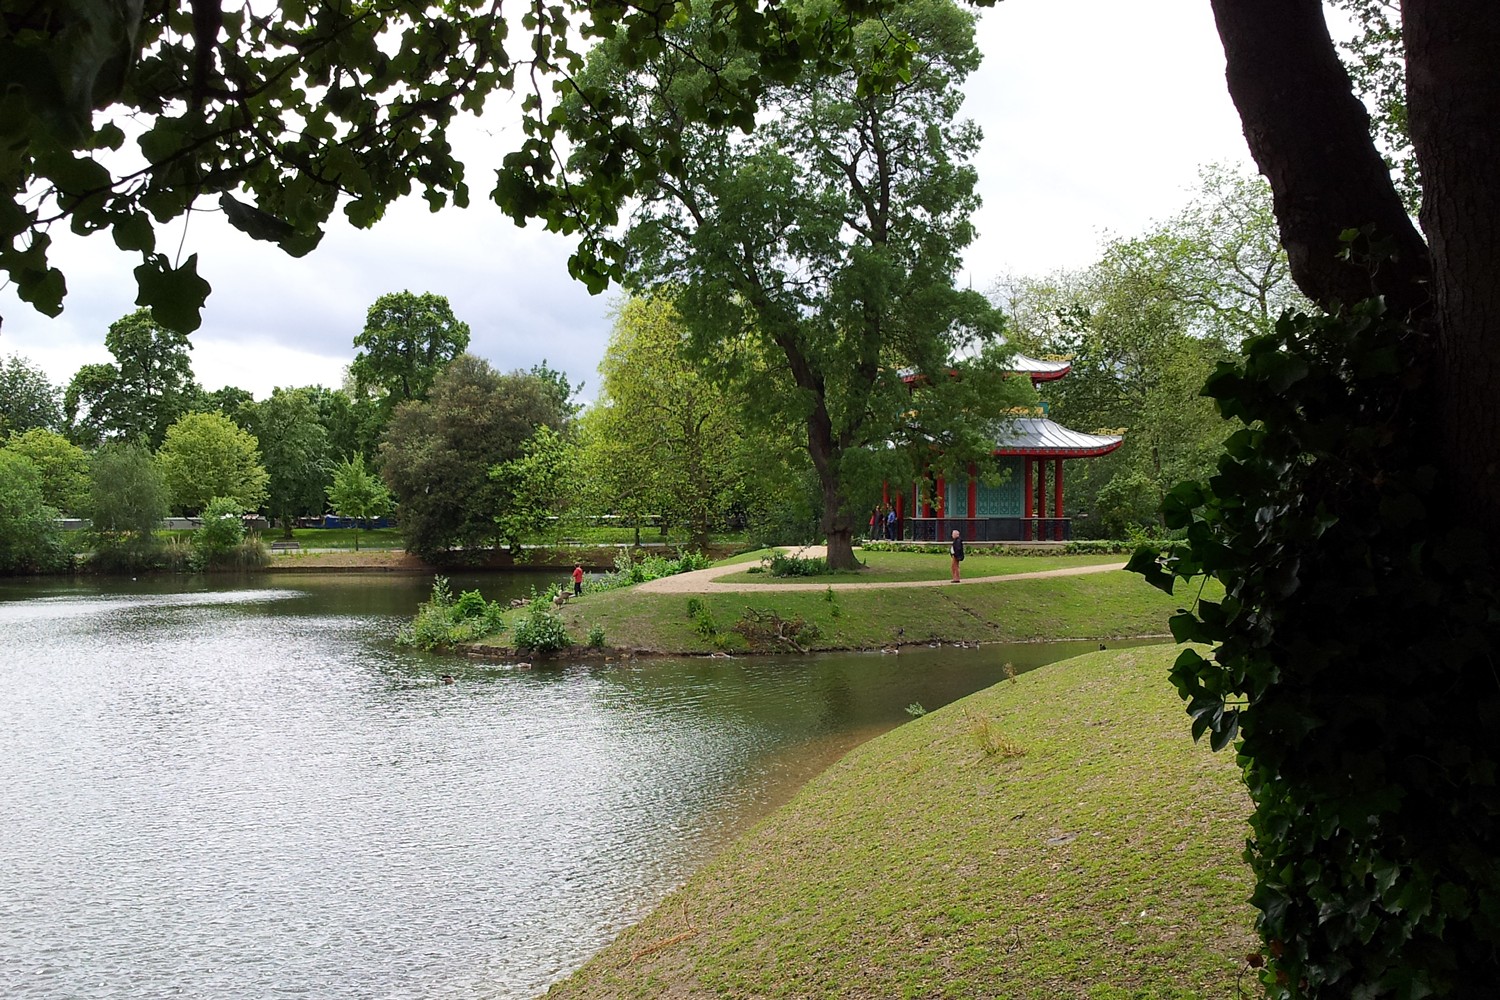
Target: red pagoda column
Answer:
pixel 1057 504
pixel 1041 496
pixel 973 498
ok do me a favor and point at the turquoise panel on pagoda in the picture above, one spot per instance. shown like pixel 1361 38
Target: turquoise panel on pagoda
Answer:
pixel 956 498
pixel 1009 497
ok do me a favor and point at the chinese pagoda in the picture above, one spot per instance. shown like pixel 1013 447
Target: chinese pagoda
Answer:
pixel 1027 505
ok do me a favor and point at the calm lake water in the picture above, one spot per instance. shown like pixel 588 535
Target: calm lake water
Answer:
pixel 244 789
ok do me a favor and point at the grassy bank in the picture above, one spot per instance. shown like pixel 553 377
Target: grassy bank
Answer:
pixel 900 567
pixel 1096 606
pixel 1103 862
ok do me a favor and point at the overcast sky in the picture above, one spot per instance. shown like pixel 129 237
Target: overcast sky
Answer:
pixel 1096 114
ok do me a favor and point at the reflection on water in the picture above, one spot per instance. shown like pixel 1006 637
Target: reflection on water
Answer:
pixel 247 789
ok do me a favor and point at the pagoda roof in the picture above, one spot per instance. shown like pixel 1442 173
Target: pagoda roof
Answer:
pixel 1034 368
pixel 1039 370
pixel 1038 436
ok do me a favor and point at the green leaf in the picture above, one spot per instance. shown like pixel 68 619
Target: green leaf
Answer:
pixel 175 296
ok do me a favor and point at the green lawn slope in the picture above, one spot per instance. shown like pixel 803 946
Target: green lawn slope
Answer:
pixel 1096 606
pixel 1102 862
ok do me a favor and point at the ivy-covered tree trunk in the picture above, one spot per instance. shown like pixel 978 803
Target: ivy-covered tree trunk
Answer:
pixel 1355 521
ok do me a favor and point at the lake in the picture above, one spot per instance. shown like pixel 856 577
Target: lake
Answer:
pixel 242 788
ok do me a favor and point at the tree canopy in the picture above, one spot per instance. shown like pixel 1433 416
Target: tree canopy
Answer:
pixel 827 242
pixel 662 438
pixel 29 538
pixel 206 456
pixel 406 341
pixel 138 397
pixel 122 119
pixel 27 397
pixel 437 453
pixel 62 468
pixel 294 449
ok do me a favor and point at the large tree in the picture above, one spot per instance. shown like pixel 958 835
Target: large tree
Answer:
pixel 27 397
pixel 127 501
pixel 406 341
pixel 62 466
pixel 294 448
pixel 206 456
pixel 829 239
pixel 438 452
pixel 1355 520
pixel 662 438
pixel 138 397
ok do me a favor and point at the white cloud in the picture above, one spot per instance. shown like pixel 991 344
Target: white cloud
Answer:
pixel 1096 116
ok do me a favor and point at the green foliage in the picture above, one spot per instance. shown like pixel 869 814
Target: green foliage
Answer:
pixel 357 493
pixel 540 630
pixel 28 399
pixel 127 500
pixel 437 453
pixel 137 398
pixel 782 564
pixel 294 448
pixel 596 637
pixel 63 467
pixel 800 287
pixel 441 621
pixel 629 571
pixel 406 341
pixel 29 538
pixel 221 533
pixel 542 485
pixel 1143 328
pixel 662 438
pixel 1351 664
pixel 205 456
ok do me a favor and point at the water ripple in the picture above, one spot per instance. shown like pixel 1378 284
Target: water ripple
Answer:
pixel 251 792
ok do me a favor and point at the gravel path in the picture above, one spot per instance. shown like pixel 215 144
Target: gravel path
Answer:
pixel 703 581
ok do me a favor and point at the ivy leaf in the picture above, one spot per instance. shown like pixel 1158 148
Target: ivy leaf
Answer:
pixel 1225 732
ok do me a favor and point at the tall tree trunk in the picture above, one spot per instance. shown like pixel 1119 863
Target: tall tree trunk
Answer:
pixel 838 526
pixel 1310 136
pixel 1453 105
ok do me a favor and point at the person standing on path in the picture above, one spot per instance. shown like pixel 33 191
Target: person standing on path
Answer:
pixel 956 550
pixel 890 524
pixel 577 579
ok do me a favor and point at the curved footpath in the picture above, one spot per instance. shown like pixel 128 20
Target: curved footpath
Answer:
pixel 704 581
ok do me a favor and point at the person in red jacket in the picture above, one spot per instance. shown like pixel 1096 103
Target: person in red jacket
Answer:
pixel 577 579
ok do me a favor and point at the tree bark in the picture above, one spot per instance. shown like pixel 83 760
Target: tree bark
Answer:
pixel 1453 105
pixel 838 526
pixel 1310 136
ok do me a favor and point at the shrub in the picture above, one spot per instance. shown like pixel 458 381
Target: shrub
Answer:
pixel 596 637
pixel 540 630
pixel 989 739
pixel 785 565
pixel 652 567
pixel 442 621
pixel 216 542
